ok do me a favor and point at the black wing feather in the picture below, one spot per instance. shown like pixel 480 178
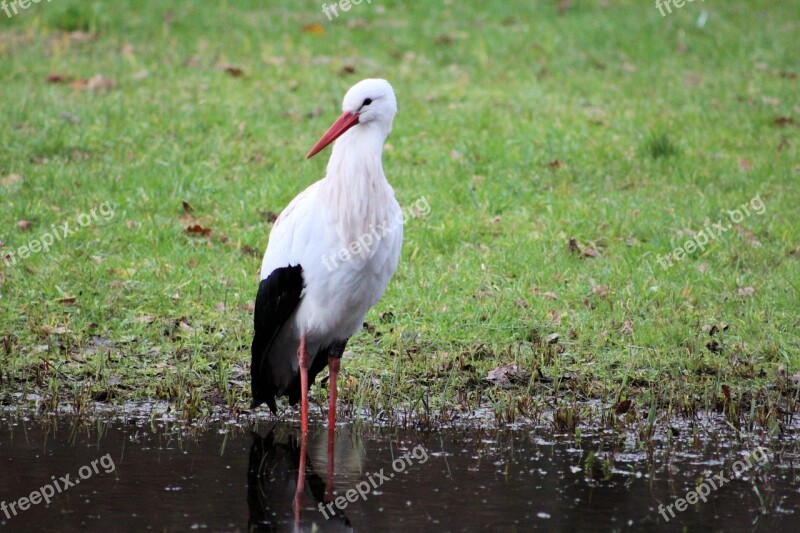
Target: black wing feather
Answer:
pixel 278 297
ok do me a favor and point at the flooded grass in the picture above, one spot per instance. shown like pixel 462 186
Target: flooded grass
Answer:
pixel 564 151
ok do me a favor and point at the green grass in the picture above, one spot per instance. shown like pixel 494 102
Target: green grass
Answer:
pixel 521 126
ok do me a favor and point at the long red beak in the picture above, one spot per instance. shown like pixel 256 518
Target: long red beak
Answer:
pixel 342 124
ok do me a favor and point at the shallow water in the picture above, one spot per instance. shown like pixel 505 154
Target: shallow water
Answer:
pixel 230 479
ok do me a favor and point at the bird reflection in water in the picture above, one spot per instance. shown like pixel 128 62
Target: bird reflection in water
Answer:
pixel 290 475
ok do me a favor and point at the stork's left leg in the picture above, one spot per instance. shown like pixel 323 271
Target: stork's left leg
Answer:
pixel 334 358
pixel 303 361
pixel 297 503
pixel 333 366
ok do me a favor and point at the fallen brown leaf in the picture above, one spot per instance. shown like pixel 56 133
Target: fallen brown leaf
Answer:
pixel 601 290
pixel 502 374
pixel 197 229
pixel 623 407
pixel 573 245
pixel 232 70
pixel 726 390
pixel 576 248
pixel 714 346
pixel 249 250
pixel 58 78
pixel 315 29
pixel 269 216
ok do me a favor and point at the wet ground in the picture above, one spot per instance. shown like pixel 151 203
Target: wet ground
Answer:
pixel 134 475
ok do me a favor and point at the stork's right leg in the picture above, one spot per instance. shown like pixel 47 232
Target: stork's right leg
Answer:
pixel 334 357
pixel 304 362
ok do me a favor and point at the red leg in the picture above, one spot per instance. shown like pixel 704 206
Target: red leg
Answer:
pixel 297 503
pixel 329 479
pixel 302 358
pixel 333 366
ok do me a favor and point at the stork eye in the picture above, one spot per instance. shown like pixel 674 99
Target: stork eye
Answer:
pixel 367 102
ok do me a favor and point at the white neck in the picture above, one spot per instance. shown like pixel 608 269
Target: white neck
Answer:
pixel 355 189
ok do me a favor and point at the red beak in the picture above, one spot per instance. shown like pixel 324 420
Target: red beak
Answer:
pixel 342 124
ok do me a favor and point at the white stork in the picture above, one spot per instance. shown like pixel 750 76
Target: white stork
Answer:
pixel 330 256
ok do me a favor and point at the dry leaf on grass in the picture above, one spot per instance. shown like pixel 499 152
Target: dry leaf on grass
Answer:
pixel 231 70
pixel 582 251
pixel 197 229
pixel 623 407
pixel 314 29
pixel 502 374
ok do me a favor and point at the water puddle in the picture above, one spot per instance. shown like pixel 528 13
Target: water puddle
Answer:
pixel 135 476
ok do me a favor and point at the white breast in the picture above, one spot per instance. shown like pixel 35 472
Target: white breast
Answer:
pixel 345 271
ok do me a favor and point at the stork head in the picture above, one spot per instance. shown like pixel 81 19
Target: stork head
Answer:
pixel 368 102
